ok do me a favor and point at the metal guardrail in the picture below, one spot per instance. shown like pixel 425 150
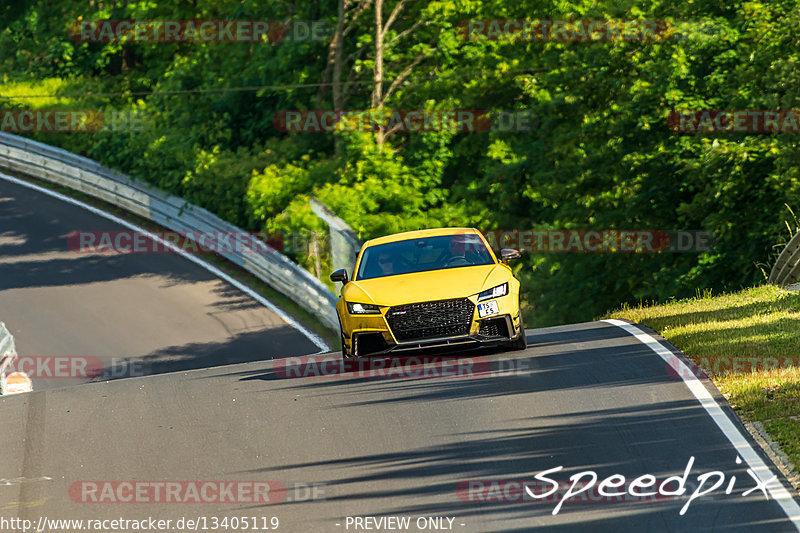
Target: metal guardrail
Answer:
pixel 344 242
pixel 85 175
pixel 786 269
pixel 8 353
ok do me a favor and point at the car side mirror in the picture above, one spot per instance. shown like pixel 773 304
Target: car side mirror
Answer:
pixel 507 254
pixel 339 275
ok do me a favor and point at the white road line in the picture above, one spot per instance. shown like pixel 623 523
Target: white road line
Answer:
pixel 316 339
pixel 736 438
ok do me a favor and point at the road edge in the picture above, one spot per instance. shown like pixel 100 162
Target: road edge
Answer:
pixel 720 412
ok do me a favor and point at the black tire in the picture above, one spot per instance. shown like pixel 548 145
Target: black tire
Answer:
pixel 521 343
pixel 344 350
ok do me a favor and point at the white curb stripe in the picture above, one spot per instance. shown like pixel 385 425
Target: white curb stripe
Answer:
pixel 316 339
pixel 736 438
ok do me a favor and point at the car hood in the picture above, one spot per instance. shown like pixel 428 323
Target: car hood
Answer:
pixel 426 286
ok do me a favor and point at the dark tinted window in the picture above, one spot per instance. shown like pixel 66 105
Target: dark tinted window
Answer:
pixel 419 255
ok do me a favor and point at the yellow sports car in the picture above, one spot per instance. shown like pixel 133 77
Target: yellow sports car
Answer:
pixel 429 288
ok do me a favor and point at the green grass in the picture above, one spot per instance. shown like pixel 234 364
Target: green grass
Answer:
pixel 785 432
pixel 748 342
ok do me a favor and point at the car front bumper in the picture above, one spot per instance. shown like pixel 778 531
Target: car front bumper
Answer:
pixel 374 334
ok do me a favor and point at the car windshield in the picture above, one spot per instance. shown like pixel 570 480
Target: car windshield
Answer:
pixel 423 254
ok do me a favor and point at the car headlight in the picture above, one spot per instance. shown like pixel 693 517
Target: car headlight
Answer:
pixel 494 292
pixel 363 309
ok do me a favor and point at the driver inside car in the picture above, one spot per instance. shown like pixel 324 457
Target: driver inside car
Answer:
pixel 457 252
pixel 385 264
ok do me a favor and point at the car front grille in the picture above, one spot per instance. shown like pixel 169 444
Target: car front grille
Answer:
pixel 429 320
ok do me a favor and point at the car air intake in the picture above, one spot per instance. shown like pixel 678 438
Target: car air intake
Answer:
pixel 494 327
pixel 430 320
pixel 367 343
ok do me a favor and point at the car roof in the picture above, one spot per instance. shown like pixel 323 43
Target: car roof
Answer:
pixel 420 233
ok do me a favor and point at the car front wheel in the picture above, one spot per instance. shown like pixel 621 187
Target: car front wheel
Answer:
pixel 344 346
pixel 345 355
pixel 521 343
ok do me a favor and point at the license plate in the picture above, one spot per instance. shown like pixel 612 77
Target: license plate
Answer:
pixel 488 309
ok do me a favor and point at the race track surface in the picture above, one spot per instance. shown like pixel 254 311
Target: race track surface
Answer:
pixel 229 420
pixel 406 443
pixel 132 314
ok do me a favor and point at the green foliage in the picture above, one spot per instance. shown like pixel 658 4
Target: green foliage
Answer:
pixel 599 157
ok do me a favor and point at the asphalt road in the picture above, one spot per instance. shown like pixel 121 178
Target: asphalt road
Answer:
pixel 319 447
pixel 92 316
pixel 405 443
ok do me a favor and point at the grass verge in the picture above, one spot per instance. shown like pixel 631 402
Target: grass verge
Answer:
pixel 747 342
